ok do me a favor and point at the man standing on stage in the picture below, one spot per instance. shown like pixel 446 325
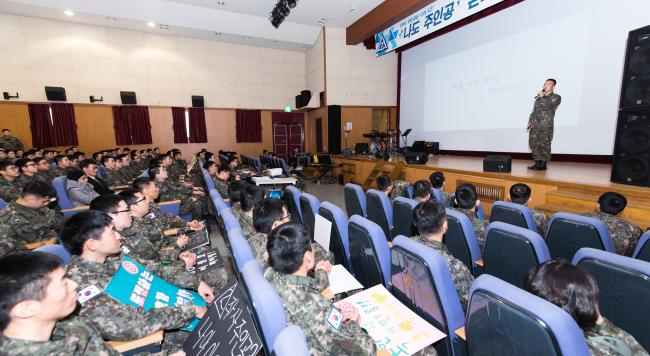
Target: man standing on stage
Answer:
pixel 540 125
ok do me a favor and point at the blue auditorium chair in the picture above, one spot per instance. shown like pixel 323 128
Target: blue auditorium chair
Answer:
pixel 309 206
pixel 291 197
pixel 642 250
pixel 421 280
pixel 369 252
pixel 229 220
pixel 339 242
pixel 461 241
pixel 511 251
pixel 403 216
pixel 355 200
pixel 513 214
pixel 438 195
pixel 505 320
pixel 567 233
pixel 62 198
pixel 241 250
pixel 624 285
pixel 57 250
pixel 380 211
pixel 3 204
pixel 291 342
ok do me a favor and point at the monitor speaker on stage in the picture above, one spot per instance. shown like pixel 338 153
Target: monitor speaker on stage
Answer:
pixel 416 157
pixel 635 91
pixel 431 148
pixel 632 148
pixel 500 164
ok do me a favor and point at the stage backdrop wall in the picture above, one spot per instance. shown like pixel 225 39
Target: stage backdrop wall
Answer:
pixel 473 89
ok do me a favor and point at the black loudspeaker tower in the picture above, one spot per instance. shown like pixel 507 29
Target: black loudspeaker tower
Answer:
pixel 334 129
pixel 631 160
pixel 299 102
pixel 128 97
pixel 55 93
pixel 635 91
pixel 197 101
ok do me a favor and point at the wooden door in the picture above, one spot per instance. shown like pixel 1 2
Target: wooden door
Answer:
pixel 280 141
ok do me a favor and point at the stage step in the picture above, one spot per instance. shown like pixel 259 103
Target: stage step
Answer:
pixel 641 221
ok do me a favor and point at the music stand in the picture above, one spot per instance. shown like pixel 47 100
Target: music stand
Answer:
pixel 325 168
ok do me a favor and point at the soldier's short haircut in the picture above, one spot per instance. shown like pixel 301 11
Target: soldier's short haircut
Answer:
pixel 567 286
pixel 76 155
pixel 3 130
pixel 383 182
pixel 24 276
pixel 520 193
pixel 106 159
pixel 87 162
pixel 286 246
pixel 106 203
pixel 96 154
pixel 429 217
pixel 141 183
pixel 81 227
pixel 223 168
pixel 121 157
pixel 552 80
pixel 58 158
pixel 421 189
pixel 38 190
pixel 437 179
pixel 4 164
pixel 22 162
pixel 466 196
pixel 75 174
pixel 612 203
pixel 209 164
pixel 129 196
pixel 266 213
pixel 234 190
pixel 154 170
pixel 208 156
pixel 155 162
pixel 251 195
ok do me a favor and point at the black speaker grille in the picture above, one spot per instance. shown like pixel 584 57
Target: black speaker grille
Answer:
pixel 632 169
pixel 632 149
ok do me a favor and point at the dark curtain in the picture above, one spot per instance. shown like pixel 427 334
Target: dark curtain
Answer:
pixel 198 131
pixel 39 119
pixel 249 125
pixel 65 125
pixel 178 120
pixel 132 126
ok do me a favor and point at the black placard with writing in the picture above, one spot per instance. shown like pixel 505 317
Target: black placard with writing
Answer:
pixel 207 261
pixel 197 239
pixel 227 328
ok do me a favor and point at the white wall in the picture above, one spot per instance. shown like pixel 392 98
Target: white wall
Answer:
pixel 162 70
pixel 315 70
pixel 355 76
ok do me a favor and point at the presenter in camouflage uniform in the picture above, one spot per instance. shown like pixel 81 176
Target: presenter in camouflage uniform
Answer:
pixel 540 125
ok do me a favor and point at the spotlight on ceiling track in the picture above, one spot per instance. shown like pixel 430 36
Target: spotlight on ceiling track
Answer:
pixel 280 11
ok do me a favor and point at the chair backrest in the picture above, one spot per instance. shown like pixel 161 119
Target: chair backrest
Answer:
pixel 241 250
pixel 642 250
pixel 511 251
pixel 339 242
pixel 3 204
pixel 567 233
pixel 291 342
pixel 293 201
pixel 57 250
pixel 62 198
pixel 309 205
pixel 624 285
pixel 144 174
pixel 460 239
pixel 439 197
pixel 229 220
pixel 369 252
pixel 403 216
pixel 480 211
pixel 209 182
pixel 267 304
pixel 285 167
pixel 409 191
pixel 379 210
pixel 52 167
pixel 513 214
pixel 505 320
pixel 421 280
pixel 170 208
pixel 355 200
pixel 100 171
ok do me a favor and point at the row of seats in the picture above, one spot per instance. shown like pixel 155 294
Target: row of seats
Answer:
pixel 253 162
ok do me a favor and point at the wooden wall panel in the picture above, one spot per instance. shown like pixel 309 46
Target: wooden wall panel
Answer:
pixel 94 127
pixel 361 119
pixel 15 116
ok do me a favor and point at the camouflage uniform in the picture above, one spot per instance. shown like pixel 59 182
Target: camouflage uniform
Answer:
pixel 541 130
pixel 27 225
pixel 445 198
pixel 607 339
pixel 308 309
pixel 478 225
pixel 9 191
pixel 45 177
pixel 462 277
pixel 222 187
pixel 176 170
pixel 145 240
pixel 541 220
pixel 399 189
pixel 11 144
pixel 195 204
pixel 70 337
pixel 118 321
pixel 113 177
pixel 624 234
pixel 163 220
pixel 127 172
pixel 7 245
pixel 22 180
pixel 245 221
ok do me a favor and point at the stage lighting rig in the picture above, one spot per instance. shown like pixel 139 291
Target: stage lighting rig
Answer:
pixel 280 11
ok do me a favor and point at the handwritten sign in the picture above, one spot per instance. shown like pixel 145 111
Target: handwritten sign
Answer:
pixel 197 239
pixel 392 325
pixel 227 328
pixel 134 285
pixel 207 261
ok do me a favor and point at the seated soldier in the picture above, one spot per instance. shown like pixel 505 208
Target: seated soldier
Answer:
pixel 520 193
pixel 576 291
pixel 192 200
pixel 221 181
pixel 178 166
pixel 466 202
pixel 91 238
pixel 624 234
pixel 9 190
pixel 63 163
pixel 43 171
pixel 235 169
pixel 250 197
pixel 37 301
pixel 28 169
pixel 291 255
pixel 28 219
pixel 79 190
pixel 112 175
pixel 392 189
pixel 422 191
pixel 437 180
pixel 430 219
pixel 384 184
pixel 164 221
pixel 234 194
pixel 126 170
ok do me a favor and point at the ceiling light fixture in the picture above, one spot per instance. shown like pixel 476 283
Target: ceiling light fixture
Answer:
pixel 68 12
pixel 221 3
pixel 151 24
pixel 280 11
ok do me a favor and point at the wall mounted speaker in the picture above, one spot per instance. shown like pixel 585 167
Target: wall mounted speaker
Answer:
pixel 55 93
pixel 128 97
pixel 635 91
pixel 197 101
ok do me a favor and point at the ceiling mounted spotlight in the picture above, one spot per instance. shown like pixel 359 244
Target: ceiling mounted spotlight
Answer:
pixel 151 24
pixel 280 11
pixel 292 3
pixel 69 12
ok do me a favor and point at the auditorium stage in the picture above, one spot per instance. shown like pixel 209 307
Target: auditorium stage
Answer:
pixel 565 186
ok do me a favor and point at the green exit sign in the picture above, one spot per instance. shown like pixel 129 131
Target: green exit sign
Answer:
pixel 287 108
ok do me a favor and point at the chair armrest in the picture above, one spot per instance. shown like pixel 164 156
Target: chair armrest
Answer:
pixel 460 332
pixel 38 244
pixel 169 202
pixel 72 211
pixel 124 346
pixel 479 262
